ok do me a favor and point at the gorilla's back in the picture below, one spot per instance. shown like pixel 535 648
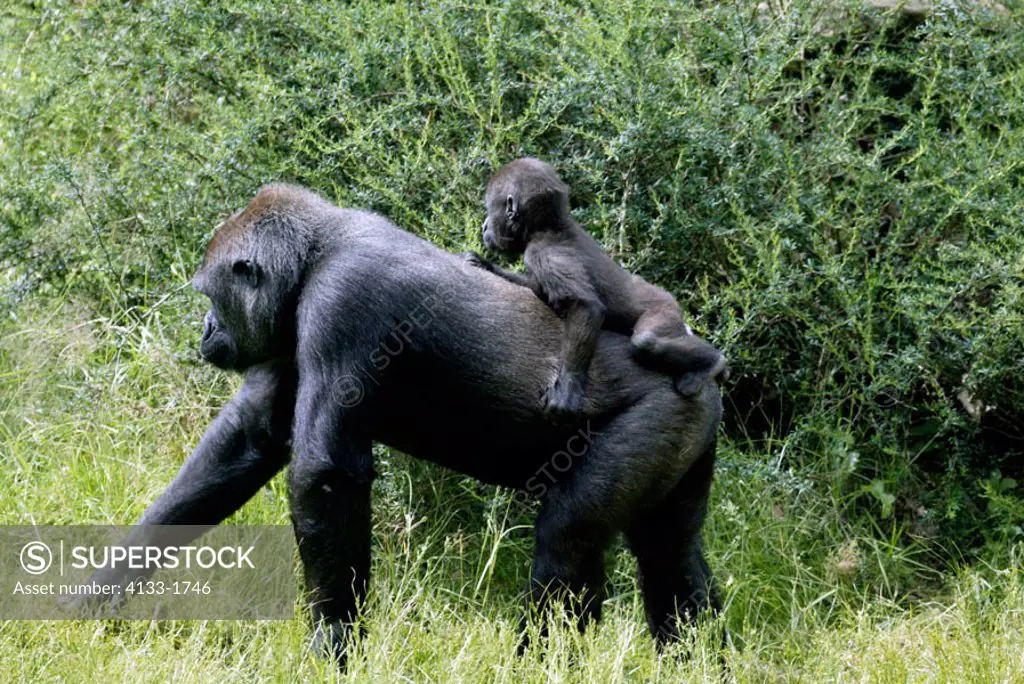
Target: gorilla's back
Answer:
pixel 473 358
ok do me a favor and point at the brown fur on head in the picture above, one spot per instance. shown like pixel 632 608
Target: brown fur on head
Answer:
pixel 270 199
pixel 251 271
pixel 524 197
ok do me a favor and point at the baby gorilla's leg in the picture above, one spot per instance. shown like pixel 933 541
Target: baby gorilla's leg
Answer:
pixel 669 347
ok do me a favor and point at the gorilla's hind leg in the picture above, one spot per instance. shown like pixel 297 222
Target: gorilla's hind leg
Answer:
pixel 568 565
pixel 668 347
pixel 674 576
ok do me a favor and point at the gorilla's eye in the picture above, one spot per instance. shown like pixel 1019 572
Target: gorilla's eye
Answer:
pixel 247 270
pixel 510 207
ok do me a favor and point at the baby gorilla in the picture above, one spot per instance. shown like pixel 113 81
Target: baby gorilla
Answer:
pixel 528 212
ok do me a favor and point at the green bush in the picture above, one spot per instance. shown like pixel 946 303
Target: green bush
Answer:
pixel 833 194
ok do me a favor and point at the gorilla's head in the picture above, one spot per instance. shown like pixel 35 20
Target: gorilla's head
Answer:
pixel 524 197
pixel 251 274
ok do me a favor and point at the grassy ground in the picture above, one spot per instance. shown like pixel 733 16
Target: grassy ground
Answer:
pixel 97 415
pixel 836 201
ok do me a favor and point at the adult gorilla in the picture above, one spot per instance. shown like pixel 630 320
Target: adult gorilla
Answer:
pixel 350 331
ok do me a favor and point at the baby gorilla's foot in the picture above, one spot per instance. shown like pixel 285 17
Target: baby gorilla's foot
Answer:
pixel 563 401
pixel 646 344
pixel 690 383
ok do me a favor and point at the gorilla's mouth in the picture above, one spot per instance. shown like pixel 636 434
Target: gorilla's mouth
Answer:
pixel 220 355
pixel 499 244
pixel 216 346
pixel 489 242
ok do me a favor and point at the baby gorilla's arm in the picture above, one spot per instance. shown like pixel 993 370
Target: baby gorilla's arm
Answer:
pixel 475 259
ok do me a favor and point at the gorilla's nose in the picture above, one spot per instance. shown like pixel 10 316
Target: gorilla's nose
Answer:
pixel 209 325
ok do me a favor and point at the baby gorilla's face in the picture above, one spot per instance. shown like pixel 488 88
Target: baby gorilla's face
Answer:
pixel 500 230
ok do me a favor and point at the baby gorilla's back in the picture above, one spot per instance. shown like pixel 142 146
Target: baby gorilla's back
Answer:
pixel 656 302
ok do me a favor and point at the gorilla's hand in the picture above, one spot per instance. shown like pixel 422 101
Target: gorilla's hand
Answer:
pixel 101 606
pixel 330 639
pixel 563 401
pixel 474 259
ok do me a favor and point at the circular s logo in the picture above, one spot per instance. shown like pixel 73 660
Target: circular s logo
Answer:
pixel 349 390
pixel 36 558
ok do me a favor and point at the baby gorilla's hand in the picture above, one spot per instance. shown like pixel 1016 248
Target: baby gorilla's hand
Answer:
pixel 474 259
pixel 563 401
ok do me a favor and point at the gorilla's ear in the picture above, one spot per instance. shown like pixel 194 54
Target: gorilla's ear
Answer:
pixel 511 207
pixel 248 270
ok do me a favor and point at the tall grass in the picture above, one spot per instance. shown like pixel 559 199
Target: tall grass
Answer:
pixel 809 595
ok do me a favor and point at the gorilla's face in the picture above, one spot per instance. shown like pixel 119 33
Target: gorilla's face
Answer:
pixel 239 329
pixel 502 231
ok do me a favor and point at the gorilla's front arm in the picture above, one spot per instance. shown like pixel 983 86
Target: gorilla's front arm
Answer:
pixel 245 446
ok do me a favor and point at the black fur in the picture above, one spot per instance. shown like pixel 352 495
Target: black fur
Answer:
pixel 354 331
pixel 528 213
